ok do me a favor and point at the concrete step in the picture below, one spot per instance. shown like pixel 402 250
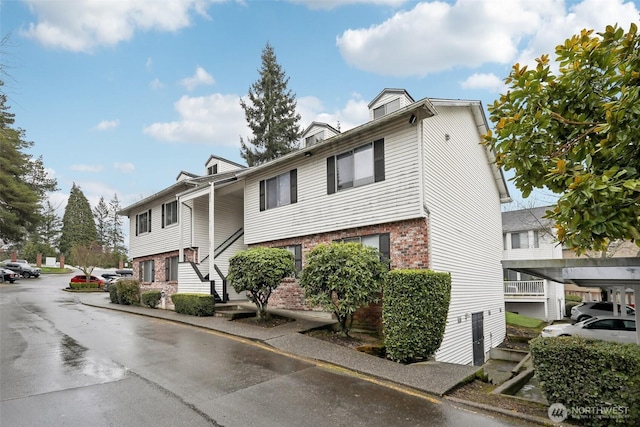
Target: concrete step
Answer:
pixel 232 311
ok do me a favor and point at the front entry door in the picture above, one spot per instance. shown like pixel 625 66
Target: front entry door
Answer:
pixel 477 332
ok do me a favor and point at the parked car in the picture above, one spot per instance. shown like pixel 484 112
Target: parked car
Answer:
pixel 23 269
pixel 596 308
pixel 8 275
pixel 81 278
pixel 608 328
pixel 21 261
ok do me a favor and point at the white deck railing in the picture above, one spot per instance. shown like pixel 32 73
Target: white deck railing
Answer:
pixel 524 288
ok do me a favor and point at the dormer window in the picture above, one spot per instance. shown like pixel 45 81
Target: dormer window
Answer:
pixel 387 108
pixel 313 139
pixel 212 170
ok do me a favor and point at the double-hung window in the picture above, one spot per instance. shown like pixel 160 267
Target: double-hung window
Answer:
pixel 296 250
pixel 520 240
pixel 387 108
pixel 143 222
pixel 280 190
pixel 147 271
pixel 381 242
pixel 169 213
pixel 360 166
pixel 171 268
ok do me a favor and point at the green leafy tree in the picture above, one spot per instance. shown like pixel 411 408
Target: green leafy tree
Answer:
pixel 258 271
pixel 270 113
pixel 23 180
pixel 342 277
pixel 78 226
pixel 576 133
pixel 87 256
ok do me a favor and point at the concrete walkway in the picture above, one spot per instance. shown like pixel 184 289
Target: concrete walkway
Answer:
pixel 430 377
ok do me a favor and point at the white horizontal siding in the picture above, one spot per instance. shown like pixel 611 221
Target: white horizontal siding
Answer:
pixel 548 248
pixel 466 229
pixel 159 240
pixel 394 199
pixel 388 97
pixel 190 281
pixel 200 230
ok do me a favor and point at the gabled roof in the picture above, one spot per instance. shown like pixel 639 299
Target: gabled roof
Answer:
pixel 187 174
pixel 526 219
pixel 319 125
pixel 422 109
pixel 224 160
pixel 390 90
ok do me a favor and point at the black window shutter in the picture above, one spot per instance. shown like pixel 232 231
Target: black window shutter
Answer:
pixel 385 247
pixel 166 269
pixel 298 257
pixel 149 230
pixel 331 175
pixel 164 206
pixel 153 270
pixel 262 195
pixel 378 160
pixel 293 182
pixel 137 225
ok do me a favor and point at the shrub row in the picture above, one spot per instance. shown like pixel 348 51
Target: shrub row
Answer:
pixel 604 386
pixel 194 304
pixel 414 313
pixel 151 298
pixel 573 298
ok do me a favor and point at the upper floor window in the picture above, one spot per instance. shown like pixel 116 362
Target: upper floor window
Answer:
pixel 280 190
pixel 143 222
pixel 313 139
pixel 520 240
pixel 212 170
pixel 169 213
pixel 387 108
pixel 360 166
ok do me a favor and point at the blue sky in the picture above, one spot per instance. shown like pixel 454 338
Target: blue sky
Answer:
pixel 120 96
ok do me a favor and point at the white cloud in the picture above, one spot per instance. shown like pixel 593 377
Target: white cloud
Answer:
pixel 87 168
pixel 488 81
pixel 436 36
pixel 124 167
pixel 107 124
pixel 331 4
pixel 156 84
pixel 200 78
pixel 83 25
pixel 353 113
pixel 215 119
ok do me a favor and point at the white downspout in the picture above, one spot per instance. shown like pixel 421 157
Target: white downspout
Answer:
pixel 211 231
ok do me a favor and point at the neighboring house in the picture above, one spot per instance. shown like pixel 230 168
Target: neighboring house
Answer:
pixel 527 235
pixel 413 181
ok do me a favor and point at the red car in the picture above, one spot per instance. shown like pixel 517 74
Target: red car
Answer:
pixel 83 279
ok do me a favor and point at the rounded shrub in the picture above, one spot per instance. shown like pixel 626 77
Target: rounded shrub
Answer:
pixel 151 298
pixel 128 292
pixel 194 304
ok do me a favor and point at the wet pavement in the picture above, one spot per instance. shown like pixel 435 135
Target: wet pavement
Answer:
pixel 78 360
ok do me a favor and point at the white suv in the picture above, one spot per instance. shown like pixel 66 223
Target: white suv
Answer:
pixel 596 308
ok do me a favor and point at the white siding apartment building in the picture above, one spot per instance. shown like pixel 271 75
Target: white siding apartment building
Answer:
pixel 413 181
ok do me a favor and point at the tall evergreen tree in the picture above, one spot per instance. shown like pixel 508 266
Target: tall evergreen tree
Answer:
pixel 23 181
pixel 102 217
pixel 116 239
pixel 78 226
pixel 270 113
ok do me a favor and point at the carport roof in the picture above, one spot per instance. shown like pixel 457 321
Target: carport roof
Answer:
pixel 588 272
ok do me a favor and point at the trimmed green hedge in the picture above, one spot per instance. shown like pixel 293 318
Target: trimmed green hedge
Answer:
pixel 597 381
pixel 194 304
pixel 113 294
pixel 83 285
pixel 128 292
pixel 414 313
pixel 151 298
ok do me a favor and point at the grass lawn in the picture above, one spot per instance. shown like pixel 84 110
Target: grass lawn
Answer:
pixel 523 321
pixel 54 270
